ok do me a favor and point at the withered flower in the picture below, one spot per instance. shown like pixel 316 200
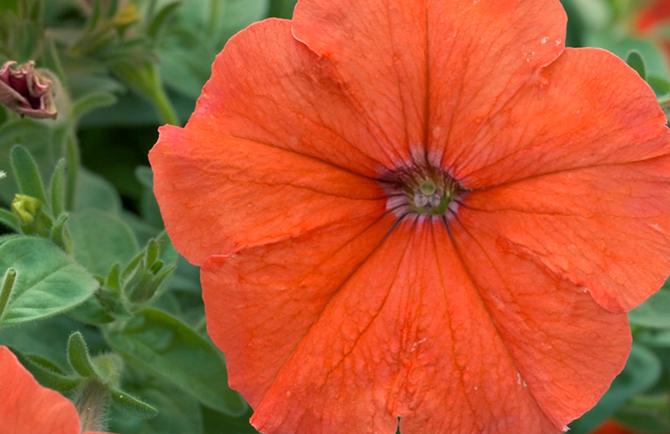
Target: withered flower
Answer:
pixel 26 91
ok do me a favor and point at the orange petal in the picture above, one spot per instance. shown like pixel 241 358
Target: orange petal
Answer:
pixel 260 301
pixel 426 70
pixel 566 348
pixel 218 193
pixel 325 337
pixel 28 408
pixel 570 114
pixel 269 88
pixel 604 228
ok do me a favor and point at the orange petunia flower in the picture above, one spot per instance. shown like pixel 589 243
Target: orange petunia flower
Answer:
pixel 420 210
pixel 28 408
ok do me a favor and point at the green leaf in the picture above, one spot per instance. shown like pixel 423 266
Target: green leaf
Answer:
pixel 142 230
pixel 94 191
pixel 642 371
pixel 48 281
pixel 6 287
pixel 178 411
pixel 91 102
pixel 27 174
pixel 647 414
pixel 653 313
pixel 38 138
pixel 91 312
pixel 660 85
pixel 57 189
pixel 60 234
pixel 100 240
pixel 132 406
pixel 653 338
pixel 163 346
pixel 148 205
pixel 48 339
pixel 219 423
pixel 282 8
pixel 10 220
pixel 77 355
pixel 161 18
pixel 635 60
pixel 47 373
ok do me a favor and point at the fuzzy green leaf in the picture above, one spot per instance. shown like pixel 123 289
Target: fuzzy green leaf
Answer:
pixel 164 346
pixel 27 174
pixel 100 240
pixel 77 354
pixel 49 282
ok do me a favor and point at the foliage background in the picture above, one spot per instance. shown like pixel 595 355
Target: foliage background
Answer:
pixel 125 67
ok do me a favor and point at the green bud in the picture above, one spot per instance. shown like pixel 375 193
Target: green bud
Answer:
pixel 33 220
pixel 26 208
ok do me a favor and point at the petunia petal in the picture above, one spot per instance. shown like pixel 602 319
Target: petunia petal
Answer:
pixel 567 349
pixel 424 70
pixel 348 338
pixel 273 293
pixel 219 193
pixel 604 228
pixel 28 408
pixel 286 96
pixel 571 114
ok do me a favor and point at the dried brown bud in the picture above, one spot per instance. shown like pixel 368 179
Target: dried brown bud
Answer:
pixel 25 91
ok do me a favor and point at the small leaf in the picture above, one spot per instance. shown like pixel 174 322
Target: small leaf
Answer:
pixel 91 102
pixel 6 289
pixel 91 312
pixel 179 412
pixel 148 205
pixel 163 346
pixel 132 406
pixel 47 373
pixel 100 240
pixel 635 60
pixel 60 234
pixel 57 190
pixel 77 355
pixel 160 19
pixel 660 85
pixel 94 191
pixel 49 282
pixel 653 313
pixel 27 174
pixel 10 220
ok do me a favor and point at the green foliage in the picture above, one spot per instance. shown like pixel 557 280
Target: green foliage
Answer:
pixel 162 345
pixel 48 281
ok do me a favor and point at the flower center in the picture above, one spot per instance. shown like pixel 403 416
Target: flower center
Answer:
pixel 431 196
pixel 422 190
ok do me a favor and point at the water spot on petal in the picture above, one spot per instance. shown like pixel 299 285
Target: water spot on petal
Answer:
pixel 545 39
